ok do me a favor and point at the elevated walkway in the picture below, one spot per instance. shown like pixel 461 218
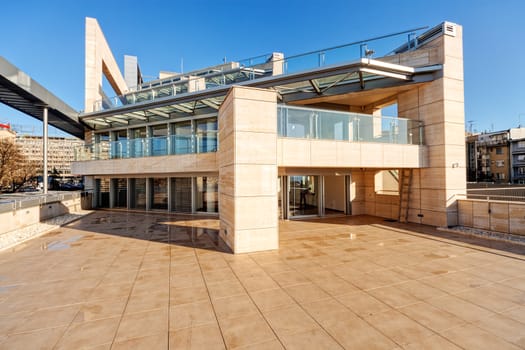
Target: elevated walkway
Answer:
pixel 19 91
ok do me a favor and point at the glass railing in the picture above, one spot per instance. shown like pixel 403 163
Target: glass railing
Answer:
pixel 258 67
pixel 203 142
pixel 307 123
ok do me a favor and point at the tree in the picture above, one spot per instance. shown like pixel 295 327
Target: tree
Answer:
pixel 15 168
pixel 9 157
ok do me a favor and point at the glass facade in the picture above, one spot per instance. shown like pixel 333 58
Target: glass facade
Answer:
pixel 137 188
pixel 181 139
pixel 158 193
pixel 303 192
pixel 207 194
pixel 308 123
pixel 181 194
pixel 190 136
pixel 177 194
pixel 206 133
pixel 158 144
pixel 120 193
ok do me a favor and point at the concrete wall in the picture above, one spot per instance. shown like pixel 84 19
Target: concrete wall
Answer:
pixel 506 217
pixel 23 217
pixel 247 160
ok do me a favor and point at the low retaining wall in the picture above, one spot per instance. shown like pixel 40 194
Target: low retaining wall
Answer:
pixel 499 216
pixel 21 211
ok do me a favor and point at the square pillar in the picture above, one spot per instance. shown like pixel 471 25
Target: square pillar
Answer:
pixel 247 158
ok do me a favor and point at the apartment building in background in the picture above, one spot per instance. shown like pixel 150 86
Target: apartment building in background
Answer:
pixel 497 157
pixel 374 128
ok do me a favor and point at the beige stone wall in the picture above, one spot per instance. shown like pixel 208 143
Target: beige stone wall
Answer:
pixel 180 164
pixel 247 159
pixel 99 61
pixel 344 154
pixel 366 200
pixel 506 217
pixel 440 105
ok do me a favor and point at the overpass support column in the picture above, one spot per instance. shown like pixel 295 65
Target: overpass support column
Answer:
pixel 44 139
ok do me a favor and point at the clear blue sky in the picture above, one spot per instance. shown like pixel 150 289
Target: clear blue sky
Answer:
pixel 46 40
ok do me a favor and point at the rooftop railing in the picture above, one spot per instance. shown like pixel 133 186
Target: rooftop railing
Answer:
pixel 309 123
pixel 259 67
pixel 149 147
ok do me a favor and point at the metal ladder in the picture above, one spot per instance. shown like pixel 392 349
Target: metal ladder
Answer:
pixel 404 193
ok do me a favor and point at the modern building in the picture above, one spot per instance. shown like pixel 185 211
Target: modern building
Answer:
pixel 60 155
pixel 489 156
pixel 517 155
pixel 61 149
pixel 496 156
pixel 375 127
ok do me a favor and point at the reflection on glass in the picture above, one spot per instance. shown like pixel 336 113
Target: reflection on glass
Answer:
pixel 102 192
pixel 207 194
pixel 181 138
pixel 333 125
pixel 159 193
pixel 137 137
pixel 206 133
pixel 138 193
pixel 181 194
pixel 119 145
pixel 120 188
pixel 303 195
pixel 158 141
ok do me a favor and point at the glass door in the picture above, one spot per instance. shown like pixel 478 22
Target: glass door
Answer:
pixel 303 195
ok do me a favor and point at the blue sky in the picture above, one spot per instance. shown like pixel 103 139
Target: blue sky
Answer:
pixel 46 40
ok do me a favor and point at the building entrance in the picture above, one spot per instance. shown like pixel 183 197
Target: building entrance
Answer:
pixel 313 195
pixel 303 195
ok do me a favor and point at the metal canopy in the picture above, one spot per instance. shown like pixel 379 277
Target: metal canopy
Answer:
pixel 360 75
pixel 19 91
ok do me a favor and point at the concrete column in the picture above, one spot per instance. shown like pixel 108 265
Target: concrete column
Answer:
pixel 247 159
pixel 440 106
pixel 45 144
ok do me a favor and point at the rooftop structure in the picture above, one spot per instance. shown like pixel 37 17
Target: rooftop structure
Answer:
pixel 277 137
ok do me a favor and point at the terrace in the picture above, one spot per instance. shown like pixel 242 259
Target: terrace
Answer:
pixel 127 280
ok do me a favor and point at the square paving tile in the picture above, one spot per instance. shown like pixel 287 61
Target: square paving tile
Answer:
pixel 155 281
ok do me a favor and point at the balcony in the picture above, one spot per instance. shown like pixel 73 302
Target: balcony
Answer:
pixel 149 147
pixel 308 123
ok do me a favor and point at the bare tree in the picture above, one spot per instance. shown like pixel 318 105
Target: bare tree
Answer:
pixel 15 168
pixel 9 157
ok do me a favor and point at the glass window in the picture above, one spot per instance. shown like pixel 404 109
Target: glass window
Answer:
pixel 181 138
pixel 158 142
pixel 206 134
pixel 207 194
pixel 138 193
pixel 303 195
pixel 102 192
pixel 119 144
pixel 181 194
pixel 499 150
pixel 120 193
pixel 159 193
pixel 137 137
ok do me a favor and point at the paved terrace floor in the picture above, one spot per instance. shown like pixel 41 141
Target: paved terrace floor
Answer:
pixel 132 281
